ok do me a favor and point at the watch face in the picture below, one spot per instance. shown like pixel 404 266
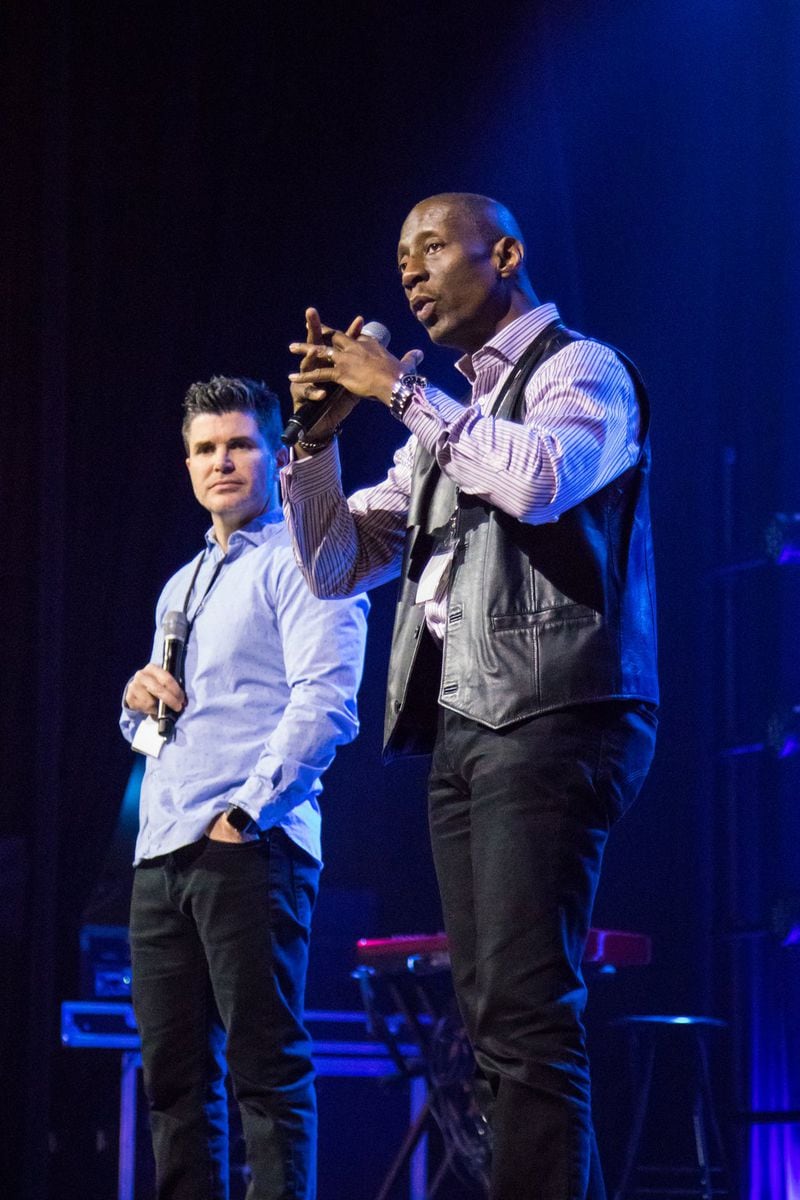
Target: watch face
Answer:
pixel 403 393
pixel 238 818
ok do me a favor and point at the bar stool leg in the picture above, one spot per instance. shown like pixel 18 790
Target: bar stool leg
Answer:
pixel 640 1111
pixel 705 1083
pixel 705 1121
pixel 701 1146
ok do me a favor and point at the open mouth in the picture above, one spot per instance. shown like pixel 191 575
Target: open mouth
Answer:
pixel 423 308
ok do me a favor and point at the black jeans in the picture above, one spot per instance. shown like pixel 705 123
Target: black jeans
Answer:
pixel 519 820
pixel 219 943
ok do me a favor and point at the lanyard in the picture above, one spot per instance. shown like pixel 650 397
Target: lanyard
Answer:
pixel 202 601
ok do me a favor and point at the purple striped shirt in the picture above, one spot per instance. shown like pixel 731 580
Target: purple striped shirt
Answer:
pixel 580 431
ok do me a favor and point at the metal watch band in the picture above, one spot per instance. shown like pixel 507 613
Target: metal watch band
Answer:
pixel 403 392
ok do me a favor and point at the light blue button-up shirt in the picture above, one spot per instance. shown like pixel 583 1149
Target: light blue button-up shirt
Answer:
pixel 271 675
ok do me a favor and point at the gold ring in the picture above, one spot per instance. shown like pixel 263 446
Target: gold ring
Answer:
pixel 329 354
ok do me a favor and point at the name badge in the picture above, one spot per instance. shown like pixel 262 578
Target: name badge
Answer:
pixel 147 740
pixel 434 577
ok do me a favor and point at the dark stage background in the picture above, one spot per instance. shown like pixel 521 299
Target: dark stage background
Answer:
pixel 180 181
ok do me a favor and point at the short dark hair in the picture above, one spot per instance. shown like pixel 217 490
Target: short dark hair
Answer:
pixel 222 395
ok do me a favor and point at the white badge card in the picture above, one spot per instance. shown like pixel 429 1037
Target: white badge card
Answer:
pixel 434 576
pixel 147 740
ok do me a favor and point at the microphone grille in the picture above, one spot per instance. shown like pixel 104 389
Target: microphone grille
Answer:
pixel 175 625
pixel 375 329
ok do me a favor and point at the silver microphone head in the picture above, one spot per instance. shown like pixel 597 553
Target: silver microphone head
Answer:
pixel 374 329
pixel 175 625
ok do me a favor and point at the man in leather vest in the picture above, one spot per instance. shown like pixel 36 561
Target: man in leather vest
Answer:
pixel 523 655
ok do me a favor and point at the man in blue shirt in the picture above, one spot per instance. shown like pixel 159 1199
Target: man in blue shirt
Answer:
pixel 228 854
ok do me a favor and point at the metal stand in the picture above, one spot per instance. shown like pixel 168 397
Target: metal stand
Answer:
pixel 705 1177
pixel 409 1010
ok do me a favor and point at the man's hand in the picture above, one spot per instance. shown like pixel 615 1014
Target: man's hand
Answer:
pixel 315 358
pixel 221 830
pixel 359 365
pixel 150 685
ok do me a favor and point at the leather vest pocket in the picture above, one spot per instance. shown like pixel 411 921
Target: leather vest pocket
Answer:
pixel 563 614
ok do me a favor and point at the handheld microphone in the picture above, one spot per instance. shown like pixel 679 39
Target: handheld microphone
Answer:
pixel 308 414
pixel 175 628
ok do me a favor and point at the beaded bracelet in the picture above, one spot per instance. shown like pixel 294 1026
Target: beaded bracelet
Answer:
pixel 314 446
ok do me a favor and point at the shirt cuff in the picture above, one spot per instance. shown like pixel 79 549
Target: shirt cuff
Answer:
pixel 267 799
pixel 130 718
pixel 430 414
pixel 304 478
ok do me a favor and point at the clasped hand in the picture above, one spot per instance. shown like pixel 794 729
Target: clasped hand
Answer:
pixel 360 366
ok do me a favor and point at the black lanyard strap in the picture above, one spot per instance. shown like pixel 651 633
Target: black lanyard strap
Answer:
pixel 202 600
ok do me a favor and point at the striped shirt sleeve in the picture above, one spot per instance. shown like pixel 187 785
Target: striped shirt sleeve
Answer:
pixel 346 546
pixel 580 431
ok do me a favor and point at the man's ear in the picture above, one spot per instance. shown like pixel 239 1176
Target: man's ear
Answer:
pixel 282 456
pixel 509 254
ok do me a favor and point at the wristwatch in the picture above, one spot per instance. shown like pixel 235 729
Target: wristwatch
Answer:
pixel 403 391
pixel 241 821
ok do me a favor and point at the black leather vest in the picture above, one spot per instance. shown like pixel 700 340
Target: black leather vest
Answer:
pixel 539 617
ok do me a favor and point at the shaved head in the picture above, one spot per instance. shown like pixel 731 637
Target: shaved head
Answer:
pixel 487 217
pixel 461 259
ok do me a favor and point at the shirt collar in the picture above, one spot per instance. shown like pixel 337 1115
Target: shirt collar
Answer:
pixel 252 533
pixel 509 342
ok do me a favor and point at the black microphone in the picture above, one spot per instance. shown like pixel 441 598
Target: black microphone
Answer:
pixel 308 414
pixel 175 628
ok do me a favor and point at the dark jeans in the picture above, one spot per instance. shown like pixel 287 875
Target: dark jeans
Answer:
pixel 219 942
pixel 519 820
